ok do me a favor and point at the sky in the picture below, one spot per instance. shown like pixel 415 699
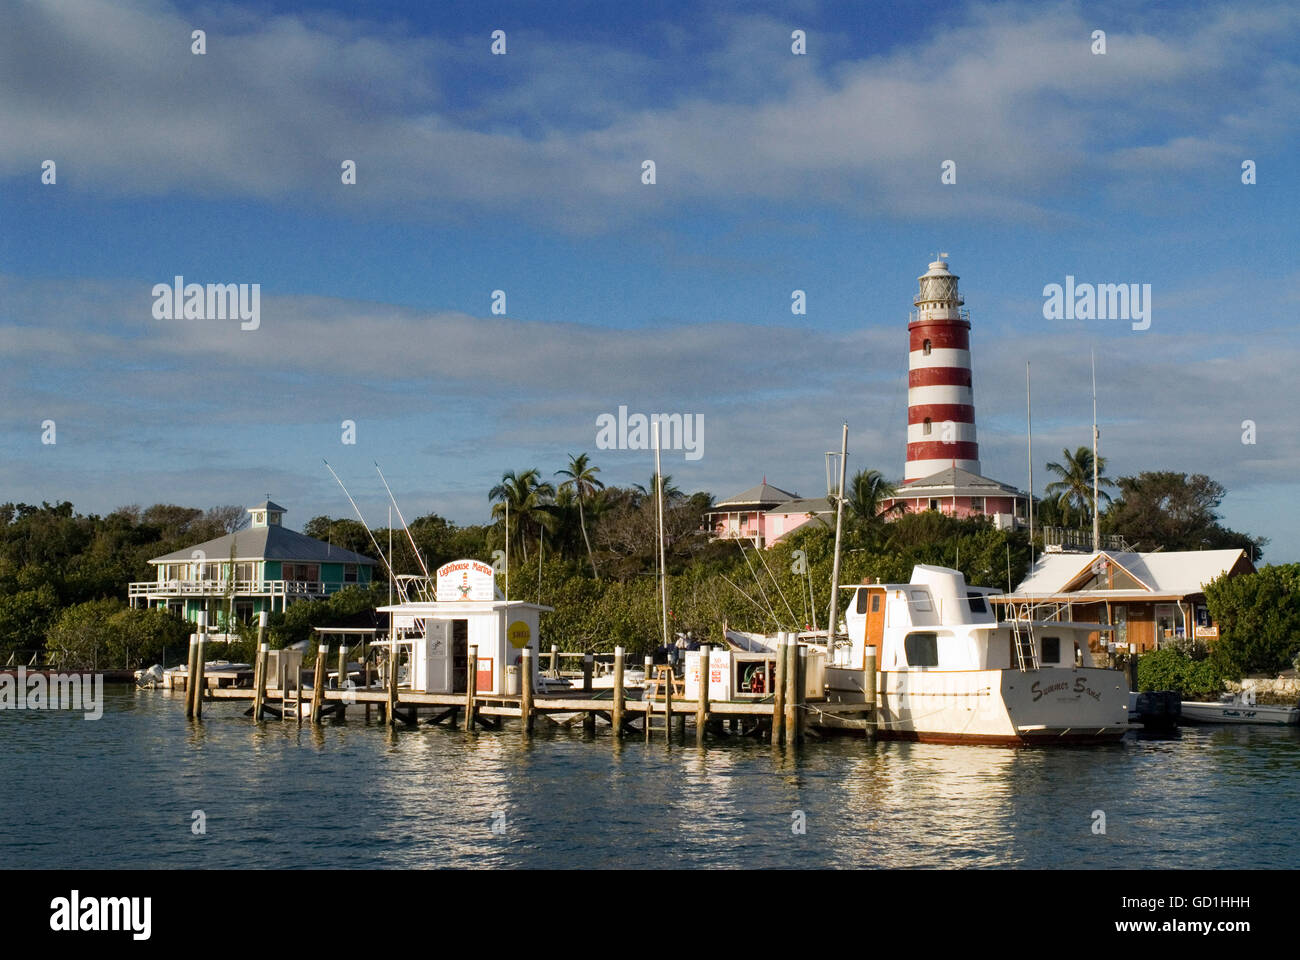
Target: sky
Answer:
pixel 523 172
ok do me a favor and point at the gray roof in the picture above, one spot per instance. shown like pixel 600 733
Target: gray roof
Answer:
pixel 268 543
pixel 954 481
pixel 762 494
pixel 268 505
pixel 806 505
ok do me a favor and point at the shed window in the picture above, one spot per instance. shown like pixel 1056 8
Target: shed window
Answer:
pixel 922 649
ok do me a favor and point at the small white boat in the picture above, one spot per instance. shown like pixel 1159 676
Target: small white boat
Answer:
pixel 1241 708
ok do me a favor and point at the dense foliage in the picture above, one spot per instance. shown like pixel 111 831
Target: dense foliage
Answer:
pixel 1192 673
pixel 590 551
pixel 1259 620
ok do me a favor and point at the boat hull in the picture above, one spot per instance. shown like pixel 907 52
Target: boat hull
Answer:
pixel 1238 713
pixel 1004 707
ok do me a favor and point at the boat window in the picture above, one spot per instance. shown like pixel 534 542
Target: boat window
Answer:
pixel 862 601
pixel 922 649
pixel 977 604
pixel 920 600
pixel 875 603
pixel 1051 650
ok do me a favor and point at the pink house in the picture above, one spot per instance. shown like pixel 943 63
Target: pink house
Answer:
pixel 793 515
pixel 742 516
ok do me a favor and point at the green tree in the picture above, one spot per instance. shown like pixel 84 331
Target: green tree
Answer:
pixel 527 497
pixel 581 479
pixel 1073 491
pixel 865 497
pixel 1259 620
pixel 1163 509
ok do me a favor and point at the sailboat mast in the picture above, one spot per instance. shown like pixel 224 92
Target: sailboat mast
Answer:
pixel 1029 430
pixel 832 622
pixel 659 509
pixel 1096 438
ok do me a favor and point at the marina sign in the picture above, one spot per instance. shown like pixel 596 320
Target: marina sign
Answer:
pixel 467 580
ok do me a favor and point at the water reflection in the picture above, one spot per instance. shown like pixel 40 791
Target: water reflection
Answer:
pixel 354 794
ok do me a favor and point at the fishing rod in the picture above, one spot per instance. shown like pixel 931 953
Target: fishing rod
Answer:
pixel 401 590
pixel 418 559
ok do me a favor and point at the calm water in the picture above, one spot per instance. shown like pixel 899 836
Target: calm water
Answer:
pixel 119 792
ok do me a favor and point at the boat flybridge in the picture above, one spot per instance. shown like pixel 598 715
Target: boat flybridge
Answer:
pixel 950 672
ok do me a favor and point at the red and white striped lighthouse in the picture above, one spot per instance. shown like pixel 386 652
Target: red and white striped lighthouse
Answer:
pixel 940 402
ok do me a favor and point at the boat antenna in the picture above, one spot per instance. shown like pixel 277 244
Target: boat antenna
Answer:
pixel 1096 438
pixel 418 559
pixel 401 591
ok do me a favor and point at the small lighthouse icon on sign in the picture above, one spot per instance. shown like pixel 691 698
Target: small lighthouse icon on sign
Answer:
pixel 940 399
pixel 463 586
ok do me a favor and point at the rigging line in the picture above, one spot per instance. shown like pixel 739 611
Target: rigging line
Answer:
pixel 780 592
pixel 401 590
pixel 749 598
pixel 761 592
pixel 418 559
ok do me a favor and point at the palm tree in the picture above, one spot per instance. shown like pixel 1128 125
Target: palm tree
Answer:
pixel 865 498
pixel 528 498
pixel 1074 490
pixel 671 493
pixel 582 480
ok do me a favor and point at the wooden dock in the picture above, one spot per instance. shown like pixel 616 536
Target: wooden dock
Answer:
pixel 785 716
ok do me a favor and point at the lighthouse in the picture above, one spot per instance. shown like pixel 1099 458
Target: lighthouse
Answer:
pixel 940 402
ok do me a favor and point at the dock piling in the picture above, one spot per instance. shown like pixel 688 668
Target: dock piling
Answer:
pixel 526 692
pixel 391 712
pixel 589 718
pixel 471 681
pixel 649 702
pixel 198 665
pixel 189 677
pixel 790 714
pixel 778 693
pixel 318 681
pixel 263 661
pixel 617 715
pixel 801 690
pixel 702 701
pixel 668 703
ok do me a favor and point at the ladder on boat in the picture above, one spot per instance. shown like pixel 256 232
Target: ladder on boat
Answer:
pixel 1022 638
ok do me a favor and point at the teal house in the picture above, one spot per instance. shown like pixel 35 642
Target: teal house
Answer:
pixel 264 567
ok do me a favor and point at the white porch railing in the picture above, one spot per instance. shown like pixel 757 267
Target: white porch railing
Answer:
pixel 242 588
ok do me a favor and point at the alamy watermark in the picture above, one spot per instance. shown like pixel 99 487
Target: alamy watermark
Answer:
pixel 677 431
pixel 75 913
pixel 179 300
pixel 53 691
pixel 1102 301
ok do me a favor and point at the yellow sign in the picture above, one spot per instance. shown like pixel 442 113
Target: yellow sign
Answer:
pixel 518 634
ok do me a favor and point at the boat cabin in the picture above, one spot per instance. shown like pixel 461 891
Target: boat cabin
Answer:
pixel 938 622
pixel 433 637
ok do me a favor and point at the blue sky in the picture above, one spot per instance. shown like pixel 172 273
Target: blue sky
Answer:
pixel 521 173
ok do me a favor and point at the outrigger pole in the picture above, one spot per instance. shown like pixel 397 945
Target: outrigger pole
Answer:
pixel 833 624
pixel 418 558
pixel 392 577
